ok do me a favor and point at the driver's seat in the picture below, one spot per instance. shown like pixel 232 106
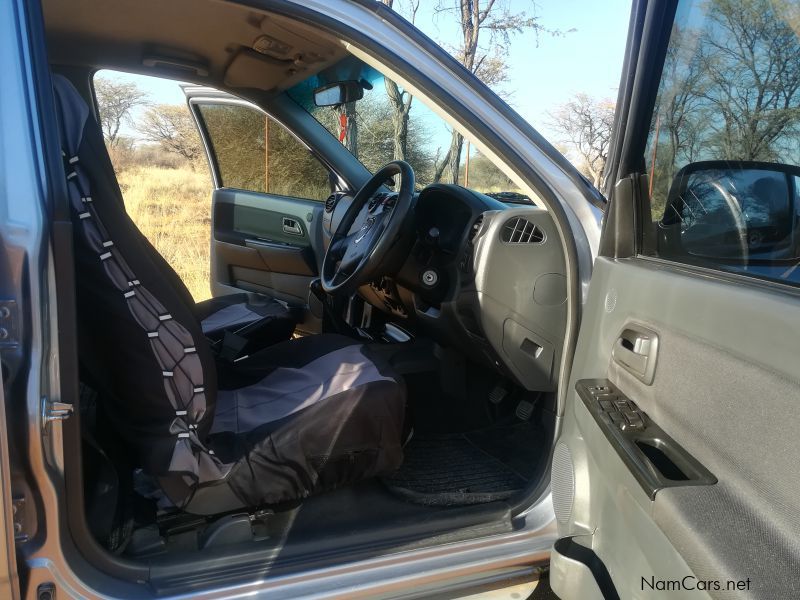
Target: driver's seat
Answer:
pixel 296 418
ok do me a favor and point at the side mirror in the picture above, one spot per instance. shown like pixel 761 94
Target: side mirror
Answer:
pixel 732 210
pixel 341 92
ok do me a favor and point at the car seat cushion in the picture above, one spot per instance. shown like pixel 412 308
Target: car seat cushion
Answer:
pixel 308 415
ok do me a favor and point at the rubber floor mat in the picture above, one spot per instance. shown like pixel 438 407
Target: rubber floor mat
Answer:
pixel 451 470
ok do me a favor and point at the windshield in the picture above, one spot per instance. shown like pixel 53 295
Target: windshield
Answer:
pixel 388 123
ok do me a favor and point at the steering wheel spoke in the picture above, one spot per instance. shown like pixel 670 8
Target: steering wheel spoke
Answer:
pixel 338 247
pixel 339 275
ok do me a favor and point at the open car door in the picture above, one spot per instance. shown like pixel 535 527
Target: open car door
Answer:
pixel 267 203
pixel 676 470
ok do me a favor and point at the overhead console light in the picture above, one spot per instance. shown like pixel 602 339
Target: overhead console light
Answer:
pixel 265 44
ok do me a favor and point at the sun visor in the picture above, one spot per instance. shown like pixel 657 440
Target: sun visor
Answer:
pixel 250 69
pixel 281 55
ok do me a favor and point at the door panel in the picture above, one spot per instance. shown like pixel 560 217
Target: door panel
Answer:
pixel 262 240
pixel 677 466
pixel 265 243
pixel 725 389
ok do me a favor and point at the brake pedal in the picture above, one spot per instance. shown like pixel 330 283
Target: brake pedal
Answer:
pixel 498 394
pixel 524 410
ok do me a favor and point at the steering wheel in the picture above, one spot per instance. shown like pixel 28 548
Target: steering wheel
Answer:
pixel 352 258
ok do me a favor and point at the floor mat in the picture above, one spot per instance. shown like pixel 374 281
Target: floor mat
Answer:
pixel 462 469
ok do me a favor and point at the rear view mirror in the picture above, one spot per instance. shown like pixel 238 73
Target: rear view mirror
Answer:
pixel 338 93
pixel 736 210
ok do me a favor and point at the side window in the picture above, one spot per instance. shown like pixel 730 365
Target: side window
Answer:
pixel 161 169
pixel 723 154
pixel 254 152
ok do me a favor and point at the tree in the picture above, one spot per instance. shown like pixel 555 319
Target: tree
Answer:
pixel 486 61
pixel 171 126
pixel 751 58
pixel 116 100
pixel 586 124
pixel 680 114
pixel 680 95
pixel 400 100
pixel 730 89
pixel 377 141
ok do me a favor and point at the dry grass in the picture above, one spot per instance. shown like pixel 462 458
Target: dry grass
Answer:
pixel 172 207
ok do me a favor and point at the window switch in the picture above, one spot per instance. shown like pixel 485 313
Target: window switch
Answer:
pixel 632 421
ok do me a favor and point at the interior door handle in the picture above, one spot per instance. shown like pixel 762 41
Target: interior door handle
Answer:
pixel 291 226
pixel 636 350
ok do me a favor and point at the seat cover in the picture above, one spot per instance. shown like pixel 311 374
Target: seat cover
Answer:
pixel 300 417
pixel 234 311
pixel 139 341
pixel 304 416
pixel 275 321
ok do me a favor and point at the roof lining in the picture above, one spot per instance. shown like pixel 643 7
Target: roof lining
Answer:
pixel 216 47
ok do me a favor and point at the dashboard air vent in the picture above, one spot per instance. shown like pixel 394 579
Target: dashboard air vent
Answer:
pixel 521 231
pixel 330 203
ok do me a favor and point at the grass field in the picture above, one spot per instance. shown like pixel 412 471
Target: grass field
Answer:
pixel 172 207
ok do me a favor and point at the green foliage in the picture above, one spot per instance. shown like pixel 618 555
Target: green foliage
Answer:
pixel 376 135
pixel 238 137
pixel 237 140
pixel 293 170
pixel 485 177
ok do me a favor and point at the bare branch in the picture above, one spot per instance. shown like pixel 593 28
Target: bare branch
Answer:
pixel 115 101
pixel 586 124
pixel 171 126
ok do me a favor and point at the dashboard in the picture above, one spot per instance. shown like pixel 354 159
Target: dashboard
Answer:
pixel 479 275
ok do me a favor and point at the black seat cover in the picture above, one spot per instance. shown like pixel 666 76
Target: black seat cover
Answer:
pixel 302 416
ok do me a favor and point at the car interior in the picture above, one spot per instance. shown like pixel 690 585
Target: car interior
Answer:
pixel 375 372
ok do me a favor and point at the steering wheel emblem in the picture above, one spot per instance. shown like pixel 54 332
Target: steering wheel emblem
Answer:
pixel 364 229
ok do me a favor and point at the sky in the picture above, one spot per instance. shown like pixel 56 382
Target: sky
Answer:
pixel 544 72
